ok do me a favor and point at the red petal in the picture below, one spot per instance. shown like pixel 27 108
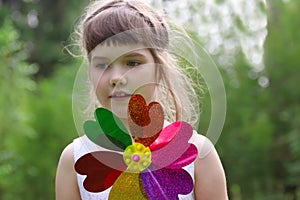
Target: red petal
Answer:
pixel 102 169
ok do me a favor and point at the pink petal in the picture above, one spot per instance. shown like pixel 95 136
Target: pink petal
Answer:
pixel 174 146
pixel 185 159
pixel 166 135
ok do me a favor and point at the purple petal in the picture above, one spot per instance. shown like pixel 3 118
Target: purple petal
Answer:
pixel 165 184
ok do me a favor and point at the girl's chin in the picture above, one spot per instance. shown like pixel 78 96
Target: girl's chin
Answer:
pixel 120 111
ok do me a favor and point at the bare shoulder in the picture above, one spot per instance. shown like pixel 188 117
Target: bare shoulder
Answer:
pixel 203 144
pixel 67 155
pixel 66 179
pixel 210 181
pixel 66 160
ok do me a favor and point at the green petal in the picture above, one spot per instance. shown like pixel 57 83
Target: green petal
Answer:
pixel 95 133
pixel 109 132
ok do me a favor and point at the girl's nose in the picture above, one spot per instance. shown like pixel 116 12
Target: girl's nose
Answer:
pixel 118 76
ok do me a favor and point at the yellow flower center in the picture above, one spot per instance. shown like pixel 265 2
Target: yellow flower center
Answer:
pixel 137 157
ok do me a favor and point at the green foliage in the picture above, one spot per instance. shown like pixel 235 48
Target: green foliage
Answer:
pixel 247 137
pixel 45 27
pixel 260 141
pixel 36 121
pixel 14 116
pixel 282 59
pixel 53 124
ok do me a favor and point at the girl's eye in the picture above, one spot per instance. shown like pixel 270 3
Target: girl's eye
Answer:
pixel 101 65
pixel 133 63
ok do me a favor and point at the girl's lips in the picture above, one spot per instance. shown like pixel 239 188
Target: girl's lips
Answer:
pixel 120 96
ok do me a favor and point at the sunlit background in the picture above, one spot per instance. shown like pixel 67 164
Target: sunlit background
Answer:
pixel 254 43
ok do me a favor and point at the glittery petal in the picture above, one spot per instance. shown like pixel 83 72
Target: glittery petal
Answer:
pixel 109 132
pixel 138 110
pixel 100 176
pixel 166 184
pixel 185 159
pixel 128 186
pixel 174 148
pixel 166 135
pixel 145 122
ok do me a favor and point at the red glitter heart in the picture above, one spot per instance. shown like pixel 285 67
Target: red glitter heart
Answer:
pixel 145 122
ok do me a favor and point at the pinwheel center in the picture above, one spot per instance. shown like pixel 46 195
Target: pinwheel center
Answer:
pixel 137 157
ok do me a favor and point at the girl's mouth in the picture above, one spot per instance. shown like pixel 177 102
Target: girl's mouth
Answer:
pixel 120 96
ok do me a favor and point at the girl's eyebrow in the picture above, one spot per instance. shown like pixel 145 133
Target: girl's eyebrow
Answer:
pixel 127 55
pixel 99 57
pixel 134 54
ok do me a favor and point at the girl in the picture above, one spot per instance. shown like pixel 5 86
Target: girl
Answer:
pixel 126 45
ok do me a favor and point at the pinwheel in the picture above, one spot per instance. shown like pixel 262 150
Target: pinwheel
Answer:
pixel 145 164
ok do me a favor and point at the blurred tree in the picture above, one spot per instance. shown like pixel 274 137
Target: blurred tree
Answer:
pixel 36 121
pixel 15 87
pixel 53 123
pixel 247 135
pixel 282 66
pixel 227 29
pixel 45 27
pixel 260 144
pixel 33 116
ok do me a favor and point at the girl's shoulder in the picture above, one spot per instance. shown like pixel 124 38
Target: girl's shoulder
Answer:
pixel 203 144
pixel 67 154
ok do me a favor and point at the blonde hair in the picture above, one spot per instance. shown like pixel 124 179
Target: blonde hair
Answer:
pixel 178 92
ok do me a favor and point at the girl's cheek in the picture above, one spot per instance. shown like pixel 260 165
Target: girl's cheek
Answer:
pixel 97 78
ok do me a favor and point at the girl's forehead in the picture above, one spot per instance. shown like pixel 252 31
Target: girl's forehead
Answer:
pixel 115 51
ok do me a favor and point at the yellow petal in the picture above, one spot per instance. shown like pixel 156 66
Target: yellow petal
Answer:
pixel 128 186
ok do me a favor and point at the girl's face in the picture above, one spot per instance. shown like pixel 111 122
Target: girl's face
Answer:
pixel 118 72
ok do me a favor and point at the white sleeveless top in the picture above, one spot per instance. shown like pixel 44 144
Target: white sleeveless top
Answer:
pixel 83 145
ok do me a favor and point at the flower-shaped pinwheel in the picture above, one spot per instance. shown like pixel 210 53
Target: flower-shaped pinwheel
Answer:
pixel 150 167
